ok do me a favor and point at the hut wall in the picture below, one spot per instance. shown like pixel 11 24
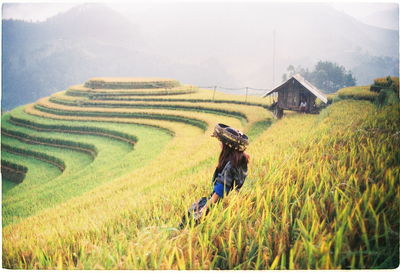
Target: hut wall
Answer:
pixel 281 99
pixel 289 97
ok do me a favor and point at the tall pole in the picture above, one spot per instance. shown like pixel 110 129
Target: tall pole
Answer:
pixel 273 59
pixel 215 87
pixel 247 91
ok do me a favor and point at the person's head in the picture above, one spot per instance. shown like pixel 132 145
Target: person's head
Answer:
pixel 234 143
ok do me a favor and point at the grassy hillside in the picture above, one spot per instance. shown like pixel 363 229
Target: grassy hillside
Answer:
pixel 322 190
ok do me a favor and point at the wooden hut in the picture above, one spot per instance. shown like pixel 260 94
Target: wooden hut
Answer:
pixel 294 91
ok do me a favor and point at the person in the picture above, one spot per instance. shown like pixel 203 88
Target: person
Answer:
pixel 230 172
pixel 303 106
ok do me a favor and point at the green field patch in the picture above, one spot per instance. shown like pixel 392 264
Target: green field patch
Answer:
pixel 84 130
pixel 258 128
pixel 115 158
pixel 21 150
pixel 7 184
pixel 118 130
pixel 37 172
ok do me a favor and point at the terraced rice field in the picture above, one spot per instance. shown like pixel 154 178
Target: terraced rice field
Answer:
pixel 112 164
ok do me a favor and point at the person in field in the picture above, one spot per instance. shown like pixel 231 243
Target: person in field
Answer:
pixel 303 106
pixel 231 170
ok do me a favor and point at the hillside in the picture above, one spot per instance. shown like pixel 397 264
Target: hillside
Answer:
pixel 109 167
pixel 203 44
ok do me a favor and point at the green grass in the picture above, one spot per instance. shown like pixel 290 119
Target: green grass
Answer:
pixel 87 148
pixel 73 160
pixel 7 185
pixel 16 200
pixel 115 158
pixel 38 171
pixel 258 128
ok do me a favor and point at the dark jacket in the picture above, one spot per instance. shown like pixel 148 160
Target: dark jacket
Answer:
pixel 231 177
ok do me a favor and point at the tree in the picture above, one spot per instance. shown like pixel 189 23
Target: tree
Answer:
pixel 326 76
pixel 330 76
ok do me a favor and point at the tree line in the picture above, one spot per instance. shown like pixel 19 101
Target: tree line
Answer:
pixel 327 76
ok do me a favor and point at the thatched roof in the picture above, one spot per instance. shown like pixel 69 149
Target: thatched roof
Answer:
pixel 318 93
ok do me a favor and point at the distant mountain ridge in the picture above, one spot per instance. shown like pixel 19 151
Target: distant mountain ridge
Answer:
pixel 197 44
pixel 84 42
pixel 388 18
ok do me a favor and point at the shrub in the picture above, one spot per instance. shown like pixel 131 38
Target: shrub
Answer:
pixel 386 97
pixel 13 172
pixel 388 82
pixel 357 93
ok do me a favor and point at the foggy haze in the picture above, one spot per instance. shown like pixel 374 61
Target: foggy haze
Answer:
pixel 228 44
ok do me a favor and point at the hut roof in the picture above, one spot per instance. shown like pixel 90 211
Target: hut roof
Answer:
pixel 318 93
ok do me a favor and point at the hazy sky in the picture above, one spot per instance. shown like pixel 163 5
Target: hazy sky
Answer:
pixel 33 11
pixel 362 9
pixel 39 11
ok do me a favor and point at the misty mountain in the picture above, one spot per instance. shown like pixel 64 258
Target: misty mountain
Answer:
pixel 388 18
pixel 240 36
pixel 86 41
pixel 229 44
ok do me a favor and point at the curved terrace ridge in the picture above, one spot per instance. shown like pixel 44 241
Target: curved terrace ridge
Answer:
pixel 81 130
pixel 12 171
pixel 130 83
pixel 158 116
pixel 32 111
pixel 192 108
pixel 55 161
pixel 86 148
